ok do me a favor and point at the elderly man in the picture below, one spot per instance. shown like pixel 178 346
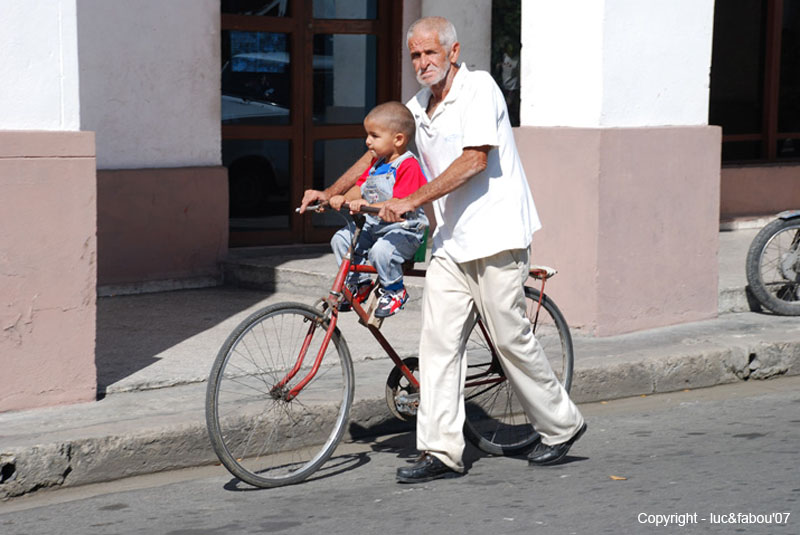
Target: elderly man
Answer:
pixel 485 220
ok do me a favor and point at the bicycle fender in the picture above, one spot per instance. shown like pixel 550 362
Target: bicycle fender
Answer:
pixel 789 214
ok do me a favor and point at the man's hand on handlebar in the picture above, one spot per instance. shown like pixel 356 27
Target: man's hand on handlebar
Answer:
pixel 312 196
pixel 395 210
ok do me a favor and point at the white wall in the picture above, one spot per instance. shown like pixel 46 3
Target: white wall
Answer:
pixel 39 70
pixel 608 63
pixel 150 75
pixel 657 61
pixel 473 22
pixel 412 10
pixel 561 63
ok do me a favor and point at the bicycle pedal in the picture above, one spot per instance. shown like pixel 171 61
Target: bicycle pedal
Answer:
pixel 370 304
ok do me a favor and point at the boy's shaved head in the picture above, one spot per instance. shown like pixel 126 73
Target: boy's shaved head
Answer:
pixel 394 116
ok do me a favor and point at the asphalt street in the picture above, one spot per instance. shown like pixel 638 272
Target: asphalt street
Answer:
pixel 717 460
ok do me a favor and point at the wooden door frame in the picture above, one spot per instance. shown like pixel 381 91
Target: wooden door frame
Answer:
pixel 301 131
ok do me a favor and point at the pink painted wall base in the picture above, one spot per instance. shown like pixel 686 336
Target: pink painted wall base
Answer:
pixel 631 221
pixel 161 224
pixel 48 265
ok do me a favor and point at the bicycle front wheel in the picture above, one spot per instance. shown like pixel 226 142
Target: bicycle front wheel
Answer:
pixel 773 266
pixel 495 421
pixel 259 435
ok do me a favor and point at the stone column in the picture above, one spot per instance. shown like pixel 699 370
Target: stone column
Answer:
pixel 623 165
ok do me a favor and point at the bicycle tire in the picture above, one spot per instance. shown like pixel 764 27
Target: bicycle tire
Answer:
pixel 773 267
pixel 495 421
pixel 259 436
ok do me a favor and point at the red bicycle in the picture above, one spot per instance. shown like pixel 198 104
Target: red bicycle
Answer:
pixel 281 387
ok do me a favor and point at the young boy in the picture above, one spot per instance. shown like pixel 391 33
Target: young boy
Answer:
pixel 393 173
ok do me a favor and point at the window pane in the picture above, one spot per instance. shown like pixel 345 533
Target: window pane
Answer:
pixel 735 151
pixel 789 96
pixel 789 148
pixel 333 157
pixel 345 9
pixel 258 183
pixel 737 66
pixel 270 8
pixel 256 78
pixel 344 78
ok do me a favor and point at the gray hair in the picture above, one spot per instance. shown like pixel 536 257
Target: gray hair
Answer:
pixel 443 28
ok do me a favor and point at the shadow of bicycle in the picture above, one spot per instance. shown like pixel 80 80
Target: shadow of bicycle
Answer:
pixel 336 465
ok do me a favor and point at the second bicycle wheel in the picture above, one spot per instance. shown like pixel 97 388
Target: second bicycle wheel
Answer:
pixel 495 421
pixel 773 266
pixel 261 436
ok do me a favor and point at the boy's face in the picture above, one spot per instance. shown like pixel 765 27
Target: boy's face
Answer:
pixel 381 142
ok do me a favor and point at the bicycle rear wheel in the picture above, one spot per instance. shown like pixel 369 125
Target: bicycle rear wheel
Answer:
pixel 259 436
pixel 495 421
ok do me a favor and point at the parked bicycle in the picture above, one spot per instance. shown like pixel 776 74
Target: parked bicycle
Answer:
pixel 773 265
pixel 281 387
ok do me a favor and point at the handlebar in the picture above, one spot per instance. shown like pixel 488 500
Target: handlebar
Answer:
pixel 319 207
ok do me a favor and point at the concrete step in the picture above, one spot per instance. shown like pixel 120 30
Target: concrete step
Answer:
pixel 310 271
pixel 305 270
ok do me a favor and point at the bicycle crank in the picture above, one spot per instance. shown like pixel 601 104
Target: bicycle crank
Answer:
pixel 402 396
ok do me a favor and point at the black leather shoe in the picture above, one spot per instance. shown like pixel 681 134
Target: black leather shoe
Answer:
pixel 543 454
pixel 427 468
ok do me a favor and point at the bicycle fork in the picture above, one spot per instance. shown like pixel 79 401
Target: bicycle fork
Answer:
pixel 279 391
pixel 330 317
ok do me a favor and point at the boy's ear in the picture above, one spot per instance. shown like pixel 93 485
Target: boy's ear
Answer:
pixel 399 139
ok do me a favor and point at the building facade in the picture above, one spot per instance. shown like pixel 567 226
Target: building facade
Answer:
pixel 139 140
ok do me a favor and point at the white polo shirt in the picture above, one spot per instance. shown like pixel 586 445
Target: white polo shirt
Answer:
pixel 494 210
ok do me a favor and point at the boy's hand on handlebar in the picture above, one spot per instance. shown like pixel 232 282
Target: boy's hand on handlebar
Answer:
pixel 393 210
pixel 312 196
pixel 356 205
pixel 336 202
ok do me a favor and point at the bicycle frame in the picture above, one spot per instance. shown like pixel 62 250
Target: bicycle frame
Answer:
pixel 339 291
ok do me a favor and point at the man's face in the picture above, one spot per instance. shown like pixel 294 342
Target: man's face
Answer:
pixel 430 59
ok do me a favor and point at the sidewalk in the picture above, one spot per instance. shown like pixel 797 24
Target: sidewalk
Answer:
pixel 154 352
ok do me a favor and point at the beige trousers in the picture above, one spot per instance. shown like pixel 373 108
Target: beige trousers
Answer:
pixel 454 293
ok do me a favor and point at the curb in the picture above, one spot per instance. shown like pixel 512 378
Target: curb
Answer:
pixel 149 447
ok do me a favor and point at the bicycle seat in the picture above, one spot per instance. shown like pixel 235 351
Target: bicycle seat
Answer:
pixel 542 272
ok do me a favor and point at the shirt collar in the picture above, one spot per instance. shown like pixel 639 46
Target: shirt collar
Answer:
pixel 424 95
pixel 458 83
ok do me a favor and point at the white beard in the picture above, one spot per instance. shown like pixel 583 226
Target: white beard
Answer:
pixel 442 74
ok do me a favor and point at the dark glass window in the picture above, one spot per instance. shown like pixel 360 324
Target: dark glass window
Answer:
pixel 506 45
pixel 345 79
pixel 269 8
pixel 259 177
pixel 737 73
pixel 755 79
pixel 345 9
pixel 256 78
pixel 789 96
pixel 332 157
